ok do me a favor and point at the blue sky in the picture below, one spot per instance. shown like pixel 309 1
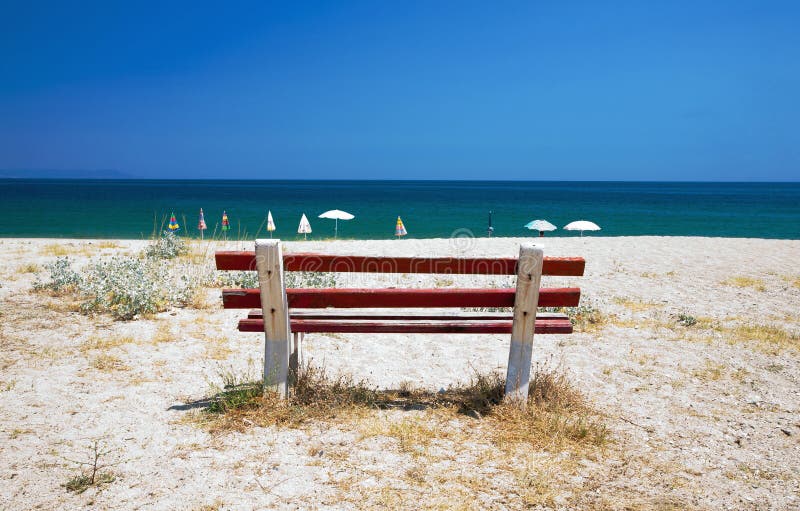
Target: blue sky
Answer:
pixel 403 90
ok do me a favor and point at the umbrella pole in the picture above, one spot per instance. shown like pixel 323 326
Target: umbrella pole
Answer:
pixel 336 228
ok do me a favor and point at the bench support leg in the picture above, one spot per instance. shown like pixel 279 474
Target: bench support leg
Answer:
pixel 529 276
pixel 274 306
pixel 296 357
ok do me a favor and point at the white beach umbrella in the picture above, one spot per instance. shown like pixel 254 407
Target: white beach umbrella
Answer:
pixel 337 214
pixel 270 223
pixel 541 226
pixel 305 227
pixel 582 225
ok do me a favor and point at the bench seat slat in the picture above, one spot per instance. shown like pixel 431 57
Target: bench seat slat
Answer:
pixel 544 326
pixel 245 260
pixel 399 298
pixel 345 314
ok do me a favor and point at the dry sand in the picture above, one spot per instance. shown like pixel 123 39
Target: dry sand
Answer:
pixel 700 417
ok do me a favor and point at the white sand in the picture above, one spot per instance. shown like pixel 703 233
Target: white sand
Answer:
pixel 698 420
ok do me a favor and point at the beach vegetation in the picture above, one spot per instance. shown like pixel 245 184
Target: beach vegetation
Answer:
pixel 106 342
pixel 745 282
pixel 686 319
pixel 167 246
pixel 94 469
pixel 30 268
pixel 634 305
pixel 769 338
pixel 123 286
pixel 236 279
pixel 107 363
pixel 558 415
pixel 309 279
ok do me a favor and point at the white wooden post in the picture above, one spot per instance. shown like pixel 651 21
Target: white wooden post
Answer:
pixel 526 300
pixel 275 310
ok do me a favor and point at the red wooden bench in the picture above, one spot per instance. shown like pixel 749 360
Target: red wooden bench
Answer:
pixel 293 312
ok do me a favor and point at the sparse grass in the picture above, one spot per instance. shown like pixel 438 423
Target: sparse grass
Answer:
pixel 743 282
pixel 634 305
pixel 792 280
pixel 163 333
pixel 56 250
pixel 81 483
pixel 108 244
pixel 769 338
pixel 710 372
pixel 30 268
pixel 557 417
pixel 217 348
pixel 106 342
pixel 108 363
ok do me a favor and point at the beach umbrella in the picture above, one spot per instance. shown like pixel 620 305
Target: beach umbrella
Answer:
pixel 226 225
pixel 541 226
pixel 201 224
pixel 173 224
pixel 490 230
pixel 305 227
pixel 582 225
pixel 337 214
pixel 400 229
pixel 270 223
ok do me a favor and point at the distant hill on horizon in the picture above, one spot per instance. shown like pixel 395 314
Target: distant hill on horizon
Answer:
pixel 65 174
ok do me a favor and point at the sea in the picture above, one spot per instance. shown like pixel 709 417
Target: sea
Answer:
pixel 140 209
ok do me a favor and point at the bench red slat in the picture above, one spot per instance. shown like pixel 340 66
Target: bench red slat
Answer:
pixel 342 314
pixel 396 298
pixel 246 260
pixel 547 326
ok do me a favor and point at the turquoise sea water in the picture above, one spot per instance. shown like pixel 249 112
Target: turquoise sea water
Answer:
pixel 430 209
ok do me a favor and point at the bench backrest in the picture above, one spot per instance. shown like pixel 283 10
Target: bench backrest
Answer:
pixel 309 298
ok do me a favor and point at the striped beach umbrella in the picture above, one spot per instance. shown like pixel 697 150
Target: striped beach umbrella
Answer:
pixel 400 229
pixel 173 224
pixel 226 225
pixel 201 224
pixel 270 223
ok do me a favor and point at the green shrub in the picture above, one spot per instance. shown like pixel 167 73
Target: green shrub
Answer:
pixel 299 279
pixel 168 246
pixel 123 286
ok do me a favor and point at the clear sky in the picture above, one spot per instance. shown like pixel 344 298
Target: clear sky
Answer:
pixel 638 90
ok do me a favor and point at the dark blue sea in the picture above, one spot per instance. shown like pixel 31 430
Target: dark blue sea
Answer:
pixel 429 209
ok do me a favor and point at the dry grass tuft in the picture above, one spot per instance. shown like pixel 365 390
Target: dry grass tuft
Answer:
pixel 105 342
pixel 768 338
pixel 163 333
pixel 557 417
pixel 30 268
pixel 634 305
pixel 742 281
pixel 217 348
pixel 108 363
pixel 108 244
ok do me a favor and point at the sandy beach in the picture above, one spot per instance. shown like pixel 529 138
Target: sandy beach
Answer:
pixel 701 414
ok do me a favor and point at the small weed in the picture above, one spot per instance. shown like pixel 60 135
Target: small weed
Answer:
pixel 97 472
pixel 686 320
